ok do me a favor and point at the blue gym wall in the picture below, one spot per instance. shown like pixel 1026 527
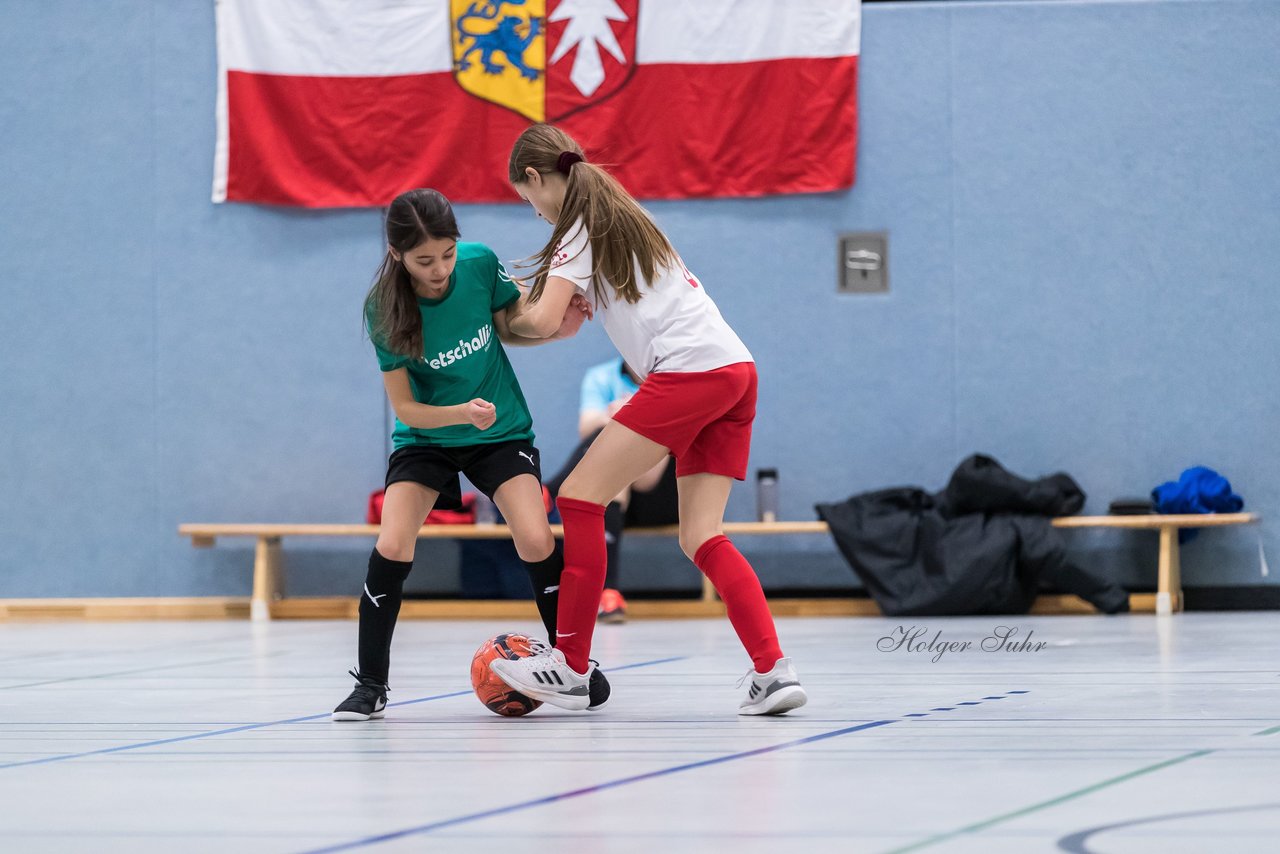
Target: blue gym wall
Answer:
pixel 1084 207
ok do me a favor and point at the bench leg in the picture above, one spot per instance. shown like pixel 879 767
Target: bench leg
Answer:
pixel 268 580
pixel 1169 591
pixel 708 589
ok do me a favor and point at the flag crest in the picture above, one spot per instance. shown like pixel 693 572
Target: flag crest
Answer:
pixel 499 52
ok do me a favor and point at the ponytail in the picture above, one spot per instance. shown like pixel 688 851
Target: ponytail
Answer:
pixel 623 236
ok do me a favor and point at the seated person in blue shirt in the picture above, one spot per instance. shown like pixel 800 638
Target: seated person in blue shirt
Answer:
pixel 650 501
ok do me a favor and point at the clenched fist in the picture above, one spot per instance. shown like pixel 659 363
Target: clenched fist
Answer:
pixel 480 413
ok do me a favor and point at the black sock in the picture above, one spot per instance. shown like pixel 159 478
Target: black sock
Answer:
pixel 545 578
pixel 379 607
pixel 612 543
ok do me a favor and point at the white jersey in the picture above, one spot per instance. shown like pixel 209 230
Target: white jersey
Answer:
pixel 675 327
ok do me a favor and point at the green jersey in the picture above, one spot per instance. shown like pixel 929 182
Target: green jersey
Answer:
pixel 461 359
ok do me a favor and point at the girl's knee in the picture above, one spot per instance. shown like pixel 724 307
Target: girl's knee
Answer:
pixel 396 548
pixel 571 489
pixel 535 548
pixel 692 540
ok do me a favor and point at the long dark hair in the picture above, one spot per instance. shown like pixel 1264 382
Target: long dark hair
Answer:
pixel 622 235
pixel 392 306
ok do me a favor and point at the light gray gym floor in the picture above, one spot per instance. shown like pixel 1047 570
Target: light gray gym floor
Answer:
pixel 1121 734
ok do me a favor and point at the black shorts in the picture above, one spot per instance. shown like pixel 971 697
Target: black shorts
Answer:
pixel 658 506
pixel 486 466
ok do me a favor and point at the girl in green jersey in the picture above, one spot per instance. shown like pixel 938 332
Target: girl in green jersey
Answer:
pixel 436 313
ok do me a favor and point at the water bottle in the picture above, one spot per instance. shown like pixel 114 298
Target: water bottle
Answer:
pixel 767 495
pixel 486 512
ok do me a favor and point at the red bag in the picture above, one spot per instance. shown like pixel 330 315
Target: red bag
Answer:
pixel 465 516
pixel 373 513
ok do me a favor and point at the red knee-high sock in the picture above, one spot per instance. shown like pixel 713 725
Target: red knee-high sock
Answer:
pixel 739 588
pixel 582 581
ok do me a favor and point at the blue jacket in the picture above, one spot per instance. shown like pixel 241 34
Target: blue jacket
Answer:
pixel 1198 490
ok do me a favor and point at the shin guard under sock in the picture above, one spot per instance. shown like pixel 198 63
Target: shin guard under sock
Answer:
pixel 544 576
pixel 582 580
pixel 743 598
pixel 379 608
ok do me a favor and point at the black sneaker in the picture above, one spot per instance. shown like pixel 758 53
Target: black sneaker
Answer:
pixel 367 700
pixel 598 688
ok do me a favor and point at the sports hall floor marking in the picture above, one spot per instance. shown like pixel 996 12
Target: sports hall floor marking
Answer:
pixel 613 784
pixel 589 790
pixel 1069 796
pixel 1076 843
pixel 246 727
pixel 179 666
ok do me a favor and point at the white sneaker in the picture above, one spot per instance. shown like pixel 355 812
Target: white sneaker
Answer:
pixel 546 677
pixel 773 693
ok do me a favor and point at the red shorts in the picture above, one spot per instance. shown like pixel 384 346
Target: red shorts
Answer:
pixel 704 418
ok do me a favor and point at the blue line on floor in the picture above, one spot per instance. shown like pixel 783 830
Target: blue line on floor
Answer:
pixel 246 727
pixel 591 790
pixel 182 665
pixel 971 703
pixel 644 663
pixel 139 745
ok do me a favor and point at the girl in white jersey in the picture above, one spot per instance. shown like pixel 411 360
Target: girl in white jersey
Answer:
pixel 696 401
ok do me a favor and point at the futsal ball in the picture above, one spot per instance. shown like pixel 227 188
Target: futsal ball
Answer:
pixel 496 695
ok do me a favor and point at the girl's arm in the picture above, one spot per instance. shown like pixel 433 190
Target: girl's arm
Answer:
pixel 479 413
pixel 506 336
pixel 545 318
pixel 577 312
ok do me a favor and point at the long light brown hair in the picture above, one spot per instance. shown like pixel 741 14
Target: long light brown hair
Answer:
pixel 391 308
pixel 622 235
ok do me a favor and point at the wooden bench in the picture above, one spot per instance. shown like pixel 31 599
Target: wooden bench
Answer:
pixel 268 578
pixel 1168 564
pixel 268 574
